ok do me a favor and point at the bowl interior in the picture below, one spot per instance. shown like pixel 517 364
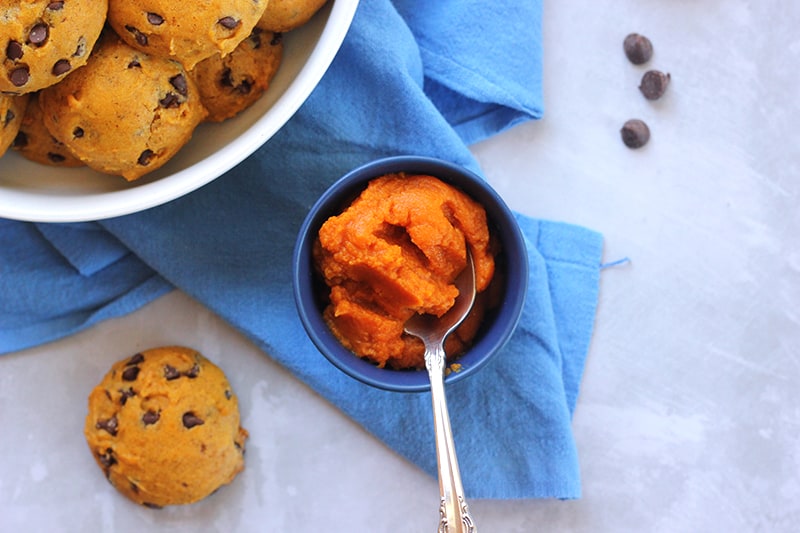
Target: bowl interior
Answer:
pixel 310 290
pixel 34 192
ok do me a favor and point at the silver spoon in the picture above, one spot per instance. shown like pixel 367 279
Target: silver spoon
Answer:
pixel 454 515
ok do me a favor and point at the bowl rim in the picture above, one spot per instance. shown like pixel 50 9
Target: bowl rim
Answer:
pixel 507 315
pixel 19 204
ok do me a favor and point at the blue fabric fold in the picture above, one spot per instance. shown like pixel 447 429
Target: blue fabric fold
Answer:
pixel 411 78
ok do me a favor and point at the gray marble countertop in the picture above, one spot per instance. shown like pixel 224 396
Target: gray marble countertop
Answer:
pixel 689 413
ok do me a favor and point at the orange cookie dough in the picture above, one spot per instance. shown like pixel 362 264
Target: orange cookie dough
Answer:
pixel 230 84
pixel 188 32
pixel 286 15
pixel 126 112
pixel 163 425
pixel 395 251
pixel 12 111
pixel 36 143
pixel 45 40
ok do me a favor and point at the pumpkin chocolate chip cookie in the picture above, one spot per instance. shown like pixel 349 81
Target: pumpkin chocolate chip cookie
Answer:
pixel 164 427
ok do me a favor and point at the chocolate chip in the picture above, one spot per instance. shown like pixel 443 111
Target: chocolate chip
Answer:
pixel 179 82
pixel 135 360
pixel 125 394
pixel 77 133
pixel 61 66
pixel 134 487
pixel 55 6
pixel 155 19
pixel 193 372
pixel 171 100
pixel 245 87
pixel 171 373
pixel 55 158
pixel 14 51
pixel 654 84
pixel 21 140
pixel 109 425
pixel 38 34
pixel 228 22
pixel 152 505
pixel 150 417
pixel 140 37
pixel 9 117
pixel 255 38
pixel 144 157
pixel 20 76
pixel 228 394
pixel 107 459
pixel 635 133
pixel 81 48
pixel 276 39
pixel 226 79
pixel 638 48
pixel 134 64
pixel 191 420
pixel 130 373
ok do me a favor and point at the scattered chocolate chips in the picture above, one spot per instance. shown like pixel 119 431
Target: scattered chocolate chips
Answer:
pixel 109 425
pixel 140 37
pixel 191 420
pixel 226 78
pixel 255 38
pixel 135 360
pixel 276 39
pixel 38 34
pixel 62 66
pixel 170 372
pixel 77 133
pixel 228 23
pixel 193 372
pixel 155 19
pixel 19 76
pixel 638 48
pixel 179 82
pixel 125 394
pixel 171 100
pixel 245 87
pixel 55 158
pixel 228 394
pixel 14 51
pixel 150 418
pixel 145 156
pixel 107 459
pixel 20 141
pixel 134 64
pixel 81 48
pixel 654 84
pixel 130 373
pixel 55 6
pixel 635 133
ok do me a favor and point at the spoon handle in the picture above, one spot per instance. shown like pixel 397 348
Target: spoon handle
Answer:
pixel 454 514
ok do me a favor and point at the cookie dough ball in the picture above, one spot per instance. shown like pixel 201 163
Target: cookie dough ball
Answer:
pixel 163 426
pixel 12 111
pixel 42 41
pixel 188 32
pixel 126 112
pixel 286 15
pixel 36 143
pixel 228 85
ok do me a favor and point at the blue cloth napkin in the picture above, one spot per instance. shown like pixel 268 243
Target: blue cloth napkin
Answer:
pixel 412 77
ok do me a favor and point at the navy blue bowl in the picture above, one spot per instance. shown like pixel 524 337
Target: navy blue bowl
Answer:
pixel 499 323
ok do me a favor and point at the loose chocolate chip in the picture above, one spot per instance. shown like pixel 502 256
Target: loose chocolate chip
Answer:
pixel 77 132
pixel 21 140
pixel 134 64
pixel 276 39
pixel 125 394
pixel 55 6
pixel 150 418
pixel 179 82
pixel 38 34
pixel 171 100
pixel 61 66
pixel 152 505
pixel 109 425
pixel 654 84
pixel 144 157
pixel 107 459
pixel 55 158
pixel 193 372
pixel 130 373
pixel 14 51
pixel 171 373
pixel 638 48
pixel 191 420
pixel 140 37
pixel 228 22
pixel 635 133
pixel 20 76
pixel 155 19
pixel 9 117
pixel 135 360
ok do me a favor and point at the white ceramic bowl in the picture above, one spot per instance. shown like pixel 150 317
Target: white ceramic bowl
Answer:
pixel 39 193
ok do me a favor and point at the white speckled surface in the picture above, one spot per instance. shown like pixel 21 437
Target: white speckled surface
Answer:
pixel 689 416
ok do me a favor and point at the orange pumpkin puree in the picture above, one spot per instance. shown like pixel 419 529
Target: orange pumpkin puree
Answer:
pixel 395 251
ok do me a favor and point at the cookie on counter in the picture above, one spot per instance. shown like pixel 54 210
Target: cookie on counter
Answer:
pixel 12 111
pixel 286 15
pixel 43 41
pixel 164 427
pixel 126 112
pixel 37 144
pixel 187 32
pixel 230 84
